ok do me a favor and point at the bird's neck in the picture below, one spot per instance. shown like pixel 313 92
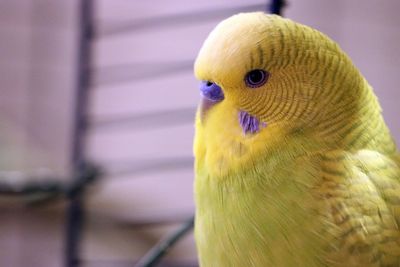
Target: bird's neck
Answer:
pixel 353 121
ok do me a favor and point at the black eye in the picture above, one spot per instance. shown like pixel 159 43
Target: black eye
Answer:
pixel 256 78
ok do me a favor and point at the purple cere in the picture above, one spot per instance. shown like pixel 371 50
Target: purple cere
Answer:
pixel 211 91
pixel 249 123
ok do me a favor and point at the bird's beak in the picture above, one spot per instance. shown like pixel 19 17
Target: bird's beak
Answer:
pixel 211 94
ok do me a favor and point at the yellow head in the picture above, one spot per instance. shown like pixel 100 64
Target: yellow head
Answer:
pixel 287 78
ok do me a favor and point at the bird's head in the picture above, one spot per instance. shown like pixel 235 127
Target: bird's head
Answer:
pixel 264 77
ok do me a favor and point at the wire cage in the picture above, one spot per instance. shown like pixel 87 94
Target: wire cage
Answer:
pixel 90 78
pixel 154 132
pixel 140 71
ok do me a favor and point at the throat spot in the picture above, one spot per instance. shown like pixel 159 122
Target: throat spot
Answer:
pixel 250 124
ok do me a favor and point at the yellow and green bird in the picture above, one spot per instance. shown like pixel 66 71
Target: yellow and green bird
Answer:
pixel 295 165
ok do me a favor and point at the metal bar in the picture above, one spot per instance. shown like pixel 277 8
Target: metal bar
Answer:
pixel 148 166
pixel 48 186
pixel 276 6
pixel 137 72
pixel 149 120
pixel 121 263
pixel 75 211
pixel 21 183
pixel 176 19
pixel 160 249
pixel 139 221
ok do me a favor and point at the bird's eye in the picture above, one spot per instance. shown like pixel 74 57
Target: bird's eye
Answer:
pixel 256 78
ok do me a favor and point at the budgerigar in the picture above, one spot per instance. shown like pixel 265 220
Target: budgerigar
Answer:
pixel 295 165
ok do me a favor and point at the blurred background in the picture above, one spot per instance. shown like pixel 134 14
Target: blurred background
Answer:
pixel 110 83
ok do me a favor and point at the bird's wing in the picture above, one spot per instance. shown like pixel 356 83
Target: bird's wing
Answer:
pixel 361 196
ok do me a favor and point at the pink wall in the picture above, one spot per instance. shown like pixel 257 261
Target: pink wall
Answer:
pixel 37 78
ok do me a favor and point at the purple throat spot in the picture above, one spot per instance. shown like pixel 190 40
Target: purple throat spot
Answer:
pixel 249 123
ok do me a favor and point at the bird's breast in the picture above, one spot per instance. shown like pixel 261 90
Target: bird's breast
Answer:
pixel 244 220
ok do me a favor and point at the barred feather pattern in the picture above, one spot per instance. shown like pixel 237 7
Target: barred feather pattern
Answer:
pixel 319 185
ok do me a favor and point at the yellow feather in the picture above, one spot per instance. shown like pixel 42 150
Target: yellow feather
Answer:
pixel 318 184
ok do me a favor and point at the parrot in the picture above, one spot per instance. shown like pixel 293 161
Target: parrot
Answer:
pixel 294 163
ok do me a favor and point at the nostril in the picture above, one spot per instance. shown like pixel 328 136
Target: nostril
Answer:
pixel 211 91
